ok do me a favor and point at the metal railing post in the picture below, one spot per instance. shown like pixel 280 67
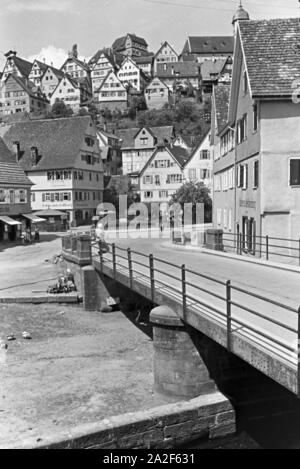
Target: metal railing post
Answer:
pixel 101 260
pixel 267 247
pixel 152 280
pixel 114 259
pixel 298 357
pixel 228 313
pixel 299 251
pixel 183 286
pixel 130 267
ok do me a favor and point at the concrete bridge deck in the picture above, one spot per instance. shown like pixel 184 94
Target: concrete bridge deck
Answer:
pixel 263 321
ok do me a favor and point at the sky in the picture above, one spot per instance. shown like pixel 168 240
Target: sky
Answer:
pixel 48 28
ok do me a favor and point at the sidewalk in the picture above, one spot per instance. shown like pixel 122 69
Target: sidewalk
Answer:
pixel 251 260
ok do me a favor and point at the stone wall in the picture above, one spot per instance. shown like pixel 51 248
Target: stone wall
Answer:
pixel 206 417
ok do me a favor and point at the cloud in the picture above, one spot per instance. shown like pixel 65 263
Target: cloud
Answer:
pixel 52 54
pixel 18 6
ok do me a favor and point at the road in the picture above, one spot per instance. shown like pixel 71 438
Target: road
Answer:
pixel 273 284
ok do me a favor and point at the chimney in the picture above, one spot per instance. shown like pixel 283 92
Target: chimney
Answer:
pixel 16 150
pixel 44 60
pixel 51 64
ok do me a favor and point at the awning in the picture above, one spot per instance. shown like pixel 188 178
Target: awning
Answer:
pixel 33 218
pixel 9 221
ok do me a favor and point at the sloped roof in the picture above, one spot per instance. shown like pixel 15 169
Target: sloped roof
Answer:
pixel 166 43
pixel 42 65
pixel 180 155
pixel 58 73
pixel 161 133
pixel 23 65
pixel 182 69
pixel 58 141
pixel 27 86
pixel 212 67
pixel 10 171
pixel 210 44
pixel 146 59
pixel 120 42
pixel 222 96
pixel 272 52
pixel 108 52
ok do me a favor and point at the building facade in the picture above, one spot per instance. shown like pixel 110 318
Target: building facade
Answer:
pixel 112 94
pixel 261 155
pixel 199 167
pixel 15 202
pixel 138 145
pixel 201 48
pixel 162 175
pixel 50 80
pixel 131 45
pixel 19 95
pixel 157 94
pixel 72 92
pixel 166 53
pixel 67 171
pixel 130 75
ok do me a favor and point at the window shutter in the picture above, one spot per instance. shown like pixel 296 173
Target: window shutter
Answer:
pixel 245 176
pixel 239 176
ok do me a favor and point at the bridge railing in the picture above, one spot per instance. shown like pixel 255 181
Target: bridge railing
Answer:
pixel 229 304
pixel 268 247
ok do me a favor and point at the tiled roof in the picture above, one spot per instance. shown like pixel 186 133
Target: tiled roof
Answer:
pixel 108 54
pixel 58 141
pixel 212 67
pixel 272 52
pixel 144 60
pixel 210 44
pixel 222 95
pixel 10 171
pixel 183 69
pixel 42 65
pixel 180 154
pixel 161 133
pixel 58 73
pixel 23 65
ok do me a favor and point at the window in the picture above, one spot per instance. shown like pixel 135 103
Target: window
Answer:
pixel 148 180
pixel 242 129
pixel 204 155
pixel 162 164
pixel 256 174
pixel 174 178
pixel 2 196
pixel 157 180
pixel 148 195
pixel 295 172
pixel 163 194
pixel 255 117
pixel 192 174
pixel 32 197
pixel 243 176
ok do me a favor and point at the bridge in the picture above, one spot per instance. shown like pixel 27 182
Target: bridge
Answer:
pixel 257 328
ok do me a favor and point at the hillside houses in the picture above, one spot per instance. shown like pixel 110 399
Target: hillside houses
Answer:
pixel 139 144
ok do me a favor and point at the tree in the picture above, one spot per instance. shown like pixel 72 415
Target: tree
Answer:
pixel 59 109
pixel 194 193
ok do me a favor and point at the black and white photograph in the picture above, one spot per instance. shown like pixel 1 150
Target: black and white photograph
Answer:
pixel 149 227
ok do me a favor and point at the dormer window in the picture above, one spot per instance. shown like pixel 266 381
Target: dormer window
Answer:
pixel 34 156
